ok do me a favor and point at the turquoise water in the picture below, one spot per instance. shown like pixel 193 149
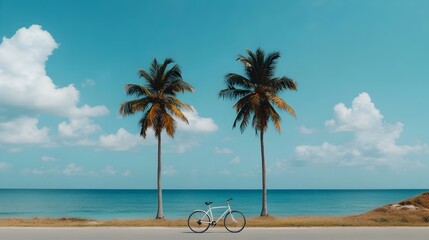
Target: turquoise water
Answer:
pixel 108 204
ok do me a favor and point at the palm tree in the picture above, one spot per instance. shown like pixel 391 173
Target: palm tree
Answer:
pixel 257 94
pixel 158 102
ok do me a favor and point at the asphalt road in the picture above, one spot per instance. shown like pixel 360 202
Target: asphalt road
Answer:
pixel 106 233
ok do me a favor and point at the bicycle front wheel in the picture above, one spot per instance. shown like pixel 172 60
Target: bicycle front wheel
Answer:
pixel 199 221
pixel 234 221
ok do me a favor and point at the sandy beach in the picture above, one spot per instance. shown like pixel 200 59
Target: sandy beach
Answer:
pixel 109 233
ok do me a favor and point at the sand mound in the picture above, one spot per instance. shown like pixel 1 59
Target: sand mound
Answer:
pixel 415 209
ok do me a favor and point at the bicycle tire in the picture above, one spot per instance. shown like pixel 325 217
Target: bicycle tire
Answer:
pixel 195 224
pixel 234 221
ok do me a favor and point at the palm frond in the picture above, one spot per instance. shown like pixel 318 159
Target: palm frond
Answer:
pixel 274 116
pixel 243 115
pixel 175 101
pixel 280 103
pixel 173 73
pixel 233 93
pixel 244 101
pixel 176 112
pixel 257 90
pixel 152 114
pixel 131 107
pixel 178 86
pixel 270 64
pixel 169 124
pixel 233 79
pixel 138 90
pixel 162 68
pixel 283 83
pixel 146 75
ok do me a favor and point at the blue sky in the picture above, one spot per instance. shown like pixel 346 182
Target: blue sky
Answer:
pixel 361 68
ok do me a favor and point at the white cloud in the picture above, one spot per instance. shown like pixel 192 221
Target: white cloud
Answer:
pixel 219 150
pixel 88 83
pixel 34 171
pixel 127 173
pixel 196 123
pixel 14 150
pixel 235 160
pixel 304 130
pixel 48 159
pixel 169 171
pixel 23 130
pixel 361 116
pixel 225 172
pixel 77 127
pixel 279 166
pixel 23 81
pixel 3 165
pixel 182 145
pixel 72 170
pixel 109 170
pixel 121 141
pixel 374 143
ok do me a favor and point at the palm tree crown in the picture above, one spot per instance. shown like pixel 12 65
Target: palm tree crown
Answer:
pixel 257 91
pixel 157 99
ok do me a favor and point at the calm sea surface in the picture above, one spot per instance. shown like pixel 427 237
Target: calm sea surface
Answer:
pixel 108 204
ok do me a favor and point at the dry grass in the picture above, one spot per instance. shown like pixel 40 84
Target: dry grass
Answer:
pixel 410 212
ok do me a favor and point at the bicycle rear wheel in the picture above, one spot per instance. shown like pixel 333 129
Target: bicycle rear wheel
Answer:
pixel 234 221
pixel 199 221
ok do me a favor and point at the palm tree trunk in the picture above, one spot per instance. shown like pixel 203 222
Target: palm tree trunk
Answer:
pixel 160 213
pixel 264 211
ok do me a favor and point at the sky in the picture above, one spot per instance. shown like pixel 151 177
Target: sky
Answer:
pixel 361 69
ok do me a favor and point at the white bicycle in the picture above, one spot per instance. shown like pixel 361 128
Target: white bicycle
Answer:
pixel 199 220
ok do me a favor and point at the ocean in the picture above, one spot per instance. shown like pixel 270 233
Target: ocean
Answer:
pixel 130 204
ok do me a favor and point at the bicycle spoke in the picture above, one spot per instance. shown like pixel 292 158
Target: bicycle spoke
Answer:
pixel 199 221
pixel 234 221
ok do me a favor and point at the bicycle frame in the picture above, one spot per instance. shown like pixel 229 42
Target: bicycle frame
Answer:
pixel 210 212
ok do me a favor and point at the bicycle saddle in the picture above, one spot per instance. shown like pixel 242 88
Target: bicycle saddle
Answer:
pixel 208 203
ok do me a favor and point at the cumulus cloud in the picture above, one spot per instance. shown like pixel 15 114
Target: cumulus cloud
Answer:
pixel 23 130
pixel 3 165
pixel 374 142
pixel 34 171
pixel 304 130
pixel 109 170
pixel 88 83
pixel 127 173
pixel 279 166
pixel 48 159
pixel 182 145
pixel 196 123
pixel 169 171
pixel 122 140
pixel 72 169
pixel 24 83
pixel 235 160
pixel 78 127
pixel 219 150
pixel 15 150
